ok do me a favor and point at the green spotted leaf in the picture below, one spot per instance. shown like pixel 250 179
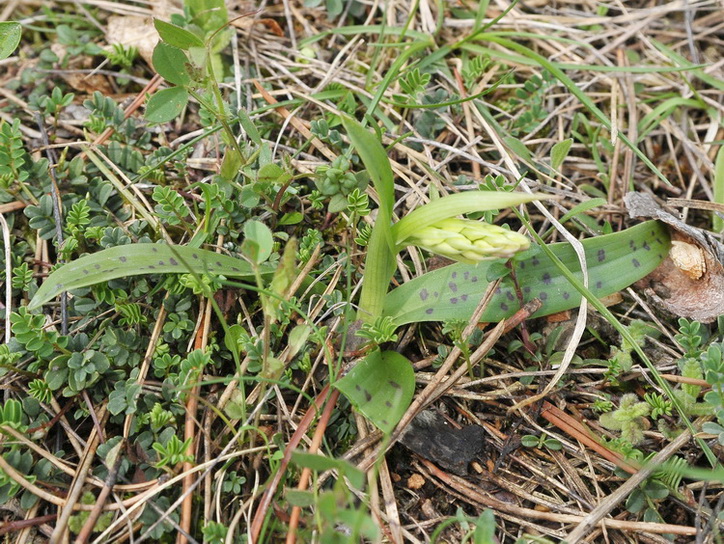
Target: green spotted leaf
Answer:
pixel 133 260
pixel 615 261
pixel 380 386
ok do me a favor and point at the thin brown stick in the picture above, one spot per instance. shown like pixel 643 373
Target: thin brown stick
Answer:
pixel 59 533
pixel 90 523
pixel 474 495
pixel 294 441
pixel 612 500
pixel 306 473
pixel 578 431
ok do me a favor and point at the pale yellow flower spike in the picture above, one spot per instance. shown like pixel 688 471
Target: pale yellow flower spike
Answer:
pixel 469 241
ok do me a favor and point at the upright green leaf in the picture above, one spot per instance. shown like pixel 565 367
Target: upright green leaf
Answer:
pixel 208 14
pixel 560 152
pixel 380 260
pixel 321 463
pixel 518 147
pixel 375 159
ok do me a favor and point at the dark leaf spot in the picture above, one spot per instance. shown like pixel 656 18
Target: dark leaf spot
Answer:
pixel 97 266
pixel 646 246
pixel 601 255
pixel 453 286
pixel 454 300
pixel 151 267
pixel 509 295
pixel 394 384
pixel 599 284
pixel 161 263
pixel 454 275
pixel 388 404
pixel 85 271
pixel 535 261
pixel 154 249
pixel 123 259
pixel 357 387
pixel 504 306
pixel 429 311
pixel 464 297
pixel 521 265
pixel 424 294
pixel 632 245
pixel 173 261
pixel 474 279
pixel 466 275
pixel 566 295
pixel 547 279
pixel 368 396
pixel 635 262
pixel 543 295
pixel 218 263
pixel 195 256
pixel 526 290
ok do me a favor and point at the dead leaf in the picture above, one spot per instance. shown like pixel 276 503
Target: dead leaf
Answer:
pixel 689 258
pixel 690 281
pixel 133 31
pixel 82 82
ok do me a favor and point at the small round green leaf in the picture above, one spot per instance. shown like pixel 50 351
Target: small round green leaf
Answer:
pixel 170 63
pixel 258 243
pixel 177 36
pixel 166 105
pixel 9 38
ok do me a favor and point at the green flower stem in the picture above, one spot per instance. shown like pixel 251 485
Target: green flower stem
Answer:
pixel 387 240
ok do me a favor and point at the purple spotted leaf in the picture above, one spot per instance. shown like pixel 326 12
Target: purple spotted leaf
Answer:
pixel 133 260
pixel 615 261
pixel 380 386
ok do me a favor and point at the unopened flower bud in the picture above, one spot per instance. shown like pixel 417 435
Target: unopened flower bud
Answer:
pixel 469 241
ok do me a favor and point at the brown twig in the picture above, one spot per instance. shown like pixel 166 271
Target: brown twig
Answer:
pixel 306 472
pixel 261 510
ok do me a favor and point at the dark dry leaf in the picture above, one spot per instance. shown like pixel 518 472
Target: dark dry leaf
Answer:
pixel 430 436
